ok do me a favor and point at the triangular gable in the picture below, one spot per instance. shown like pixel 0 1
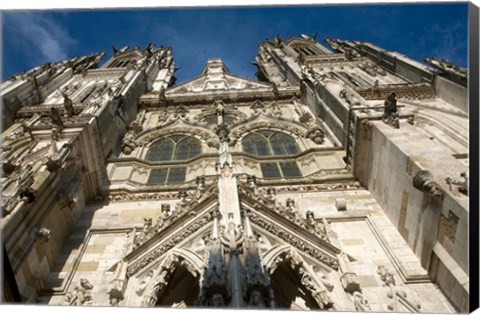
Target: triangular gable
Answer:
pixel 228 82
pixel 290 229
pixel 186 221
pixel 216 77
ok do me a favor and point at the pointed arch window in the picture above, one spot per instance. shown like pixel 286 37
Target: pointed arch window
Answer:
pixel 172 148
pixel 267 143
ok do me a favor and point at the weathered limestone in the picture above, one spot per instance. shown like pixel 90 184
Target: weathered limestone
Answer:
pixel 124 189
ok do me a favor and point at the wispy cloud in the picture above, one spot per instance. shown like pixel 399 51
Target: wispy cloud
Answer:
pixel 451 42
pixel 39 32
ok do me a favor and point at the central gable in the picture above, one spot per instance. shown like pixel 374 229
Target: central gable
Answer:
pixel 216 77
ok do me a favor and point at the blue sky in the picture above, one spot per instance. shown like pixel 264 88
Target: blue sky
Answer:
pixel 31 38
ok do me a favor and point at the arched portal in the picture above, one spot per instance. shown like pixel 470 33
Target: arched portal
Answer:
pixel 181 291
pixel 288 290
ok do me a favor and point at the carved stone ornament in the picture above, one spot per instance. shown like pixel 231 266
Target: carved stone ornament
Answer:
pixel 462 183
pixel 216 300
pixel 447 67
pixel 43 235
pixel 296 243
pixel 257 300
pixel 316 134
pixel 390 113
pixel 386 276
pixel 68 105
pixel 350 98
pixel 424 181
pixel 360 303
pixel 81 294
pixel 169 244
pixel 56 119
pixel 129 143
pixel 350 282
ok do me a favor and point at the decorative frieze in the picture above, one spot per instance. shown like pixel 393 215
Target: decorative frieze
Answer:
pixel 414 91
pixel 169 244
pixel 295 242
pixel 81 294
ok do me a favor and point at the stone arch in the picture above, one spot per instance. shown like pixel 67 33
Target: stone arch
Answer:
pixel 179 267
pixel 285 263
pixel 296 130
pixel 199 132
pixel 207 137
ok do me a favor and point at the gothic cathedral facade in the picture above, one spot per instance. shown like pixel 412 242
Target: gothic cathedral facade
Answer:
pixel 336 181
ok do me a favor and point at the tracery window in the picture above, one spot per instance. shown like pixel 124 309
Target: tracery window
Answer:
pixel 172 148
pixel 266 143
pixel 269 143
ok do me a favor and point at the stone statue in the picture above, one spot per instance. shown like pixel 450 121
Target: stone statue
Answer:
pixel 200 181
pixel 44 235
pixel 147 225
pixel 68 104
pixel 217 300
pixel 129 143
pixel 314 226
pixel 386 276
pixel 81 295
pixel 257 300
pixel 316 134
pixel 290 205
pixel 390 114
pixel 56 119
pixel 160 283
pixel 360 303
pixel 143 284
pixel 271 194
pixel 182 195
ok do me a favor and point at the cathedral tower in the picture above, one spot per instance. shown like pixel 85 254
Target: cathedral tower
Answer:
pixel 333 183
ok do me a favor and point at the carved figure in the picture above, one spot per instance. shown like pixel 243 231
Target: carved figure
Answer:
pixel 44 235
pixel 200 181
pixel 316 134
pixel 129 143
pixel 68 104
pixel 56 119
pixel 183 197
pixel 360 303
pixel 463 183
pixel 257 300
pixel 81 295
pixel 390 114
pixel 424 181
pixel 223 132
pixel 143 284
pixel 386 276
pixel 290 205
pixel 147 225
pixel 217 300
pixel 314 226
pixel 271 194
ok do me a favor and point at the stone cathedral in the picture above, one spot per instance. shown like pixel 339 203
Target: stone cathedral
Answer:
pixel 338 180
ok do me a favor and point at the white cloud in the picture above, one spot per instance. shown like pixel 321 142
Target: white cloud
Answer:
pixel 40 33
